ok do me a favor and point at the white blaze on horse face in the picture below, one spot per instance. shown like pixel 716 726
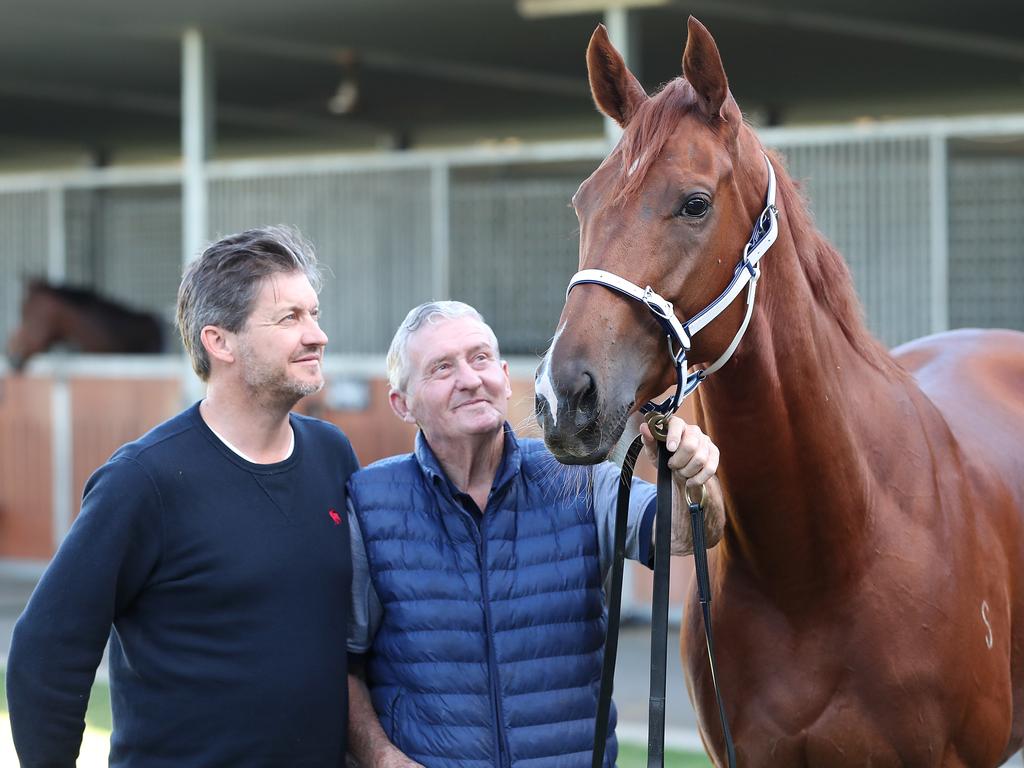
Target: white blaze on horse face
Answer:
pixel 544 387
pixel 984 617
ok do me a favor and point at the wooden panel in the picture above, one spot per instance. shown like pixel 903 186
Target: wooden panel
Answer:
pixel 107 413
pixel 26 518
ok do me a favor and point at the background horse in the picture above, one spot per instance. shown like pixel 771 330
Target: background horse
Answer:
pixel 868 591
pixel 52 315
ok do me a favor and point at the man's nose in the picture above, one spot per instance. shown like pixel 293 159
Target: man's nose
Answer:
pixel 314 335
pixel 468 376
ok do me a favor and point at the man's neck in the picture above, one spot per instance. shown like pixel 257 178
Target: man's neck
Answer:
pixel 255 429
pixel 472 462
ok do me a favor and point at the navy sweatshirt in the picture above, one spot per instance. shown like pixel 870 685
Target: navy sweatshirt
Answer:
pixel 227 586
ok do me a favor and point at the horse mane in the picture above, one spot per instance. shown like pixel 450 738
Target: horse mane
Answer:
pixel 135 330
pixel 827 272
pixel 87 299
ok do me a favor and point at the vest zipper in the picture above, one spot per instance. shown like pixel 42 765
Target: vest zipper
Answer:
pixel 504 761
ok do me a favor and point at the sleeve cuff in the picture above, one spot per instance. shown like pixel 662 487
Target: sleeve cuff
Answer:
pixel 646 552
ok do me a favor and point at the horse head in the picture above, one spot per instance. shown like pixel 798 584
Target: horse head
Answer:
pixel 671 208
pixel 37 331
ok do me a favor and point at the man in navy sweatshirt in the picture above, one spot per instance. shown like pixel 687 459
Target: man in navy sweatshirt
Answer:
pixel 215 546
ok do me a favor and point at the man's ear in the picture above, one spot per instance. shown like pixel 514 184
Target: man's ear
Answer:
pixel 218 343
pixel 400 405
pixel 508 379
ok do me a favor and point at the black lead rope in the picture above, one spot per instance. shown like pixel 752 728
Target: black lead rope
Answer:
pixel 659 610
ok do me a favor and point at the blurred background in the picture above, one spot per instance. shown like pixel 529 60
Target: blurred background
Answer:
pixel 429 150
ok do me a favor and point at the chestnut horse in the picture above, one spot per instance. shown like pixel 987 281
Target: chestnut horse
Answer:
pixel 81 319
pixel 869 588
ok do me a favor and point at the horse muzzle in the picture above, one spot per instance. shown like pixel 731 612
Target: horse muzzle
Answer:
pixel 579 428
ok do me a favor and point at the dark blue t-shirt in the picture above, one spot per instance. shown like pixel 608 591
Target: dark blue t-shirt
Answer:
pixel 227 586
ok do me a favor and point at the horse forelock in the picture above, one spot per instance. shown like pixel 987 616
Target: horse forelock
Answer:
pixel 649 131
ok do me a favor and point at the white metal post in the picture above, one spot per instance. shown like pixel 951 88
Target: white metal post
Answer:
pixel 196 134
pixel 61 432
pixel 939 230
pixel 440 241
pixel 61 456
pixel 196 123
pixel 56 239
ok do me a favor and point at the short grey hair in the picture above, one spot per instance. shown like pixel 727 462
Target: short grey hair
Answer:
pixel 219 287
pixel 398 352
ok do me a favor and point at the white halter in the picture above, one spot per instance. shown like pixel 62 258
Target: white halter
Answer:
pixel 680 334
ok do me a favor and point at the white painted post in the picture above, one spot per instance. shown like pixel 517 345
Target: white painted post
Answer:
pixel 56 238
pixel 196 123
pixel 440 241
pixel 939 231
pixel 196 134
pixel 61 433
pixel 61 475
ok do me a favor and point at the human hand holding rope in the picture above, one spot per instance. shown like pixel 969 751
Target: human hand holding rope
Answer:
pixel 694 462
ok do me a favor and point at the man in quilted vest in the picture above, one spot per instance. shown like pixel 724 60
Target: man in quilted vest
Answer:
pixel 478 615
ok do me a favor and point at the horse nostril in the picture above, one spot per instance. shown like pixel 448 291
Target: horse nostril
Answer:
pixel 584 390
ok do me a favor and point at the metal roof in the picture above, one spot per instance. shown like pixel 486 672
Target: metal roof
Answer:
pixel 98 82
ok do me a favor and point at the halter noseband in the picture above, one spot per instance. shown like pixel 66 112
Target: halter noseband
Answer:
pixel 680 334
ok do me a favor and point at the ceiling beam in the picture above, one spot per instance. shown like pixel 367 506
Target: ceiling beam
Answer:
pixel 471 73
pixel 170 107
pixel 917 35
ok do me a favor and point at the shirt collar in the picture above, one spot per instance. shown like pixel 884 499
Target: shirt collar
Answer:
pixel 511 460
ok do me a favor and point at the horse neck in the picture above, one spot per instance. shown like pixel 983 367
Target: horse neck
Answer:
pixel 792 414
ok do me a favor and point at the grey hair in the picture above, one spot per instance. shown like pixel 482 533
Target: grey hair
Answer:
pixel 219 287
pixel 398 352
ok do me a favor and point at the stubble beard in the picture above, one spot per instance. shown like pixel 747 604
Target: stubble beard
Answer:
pixel 273 386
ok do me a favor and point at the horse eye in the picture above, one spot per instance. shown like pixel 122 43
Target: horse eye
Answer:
pixel 695 207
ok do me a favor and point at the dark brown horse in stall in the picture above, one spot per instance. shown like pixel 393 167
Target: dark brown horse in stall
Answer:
pixel 82 320
pixel 868 591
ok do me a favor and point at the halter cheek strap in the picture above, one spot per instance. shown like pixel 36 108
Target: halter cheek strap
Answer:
pixel 680 334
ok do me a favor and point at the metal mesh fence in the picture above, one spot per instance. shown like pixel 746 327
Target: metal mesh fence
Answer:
pixel 501 235
pixel 23 251
pixel 514 246
pixel 986 242
pixel 871 199
pixel 371 230
pixel 126 243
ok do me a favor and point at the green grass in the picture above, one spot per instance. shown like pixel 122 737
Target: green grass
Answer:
pixel 96 716
pixel 630 755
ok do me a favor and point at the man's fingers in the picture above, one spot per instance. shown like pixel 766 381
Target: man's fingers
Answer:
pixel 675 432
pixel 650 444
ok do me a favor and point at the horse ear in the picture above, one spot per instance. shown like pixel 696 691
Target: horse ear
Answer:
pixel 616 90
pixel 702 67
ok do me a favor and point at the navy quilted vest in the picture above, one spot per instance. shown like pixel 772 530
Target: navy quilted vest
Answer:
pixel 485 666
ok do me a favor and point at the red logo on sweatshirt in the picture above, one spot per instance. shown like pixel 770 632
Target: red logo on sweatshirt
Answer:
pixel 335 517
